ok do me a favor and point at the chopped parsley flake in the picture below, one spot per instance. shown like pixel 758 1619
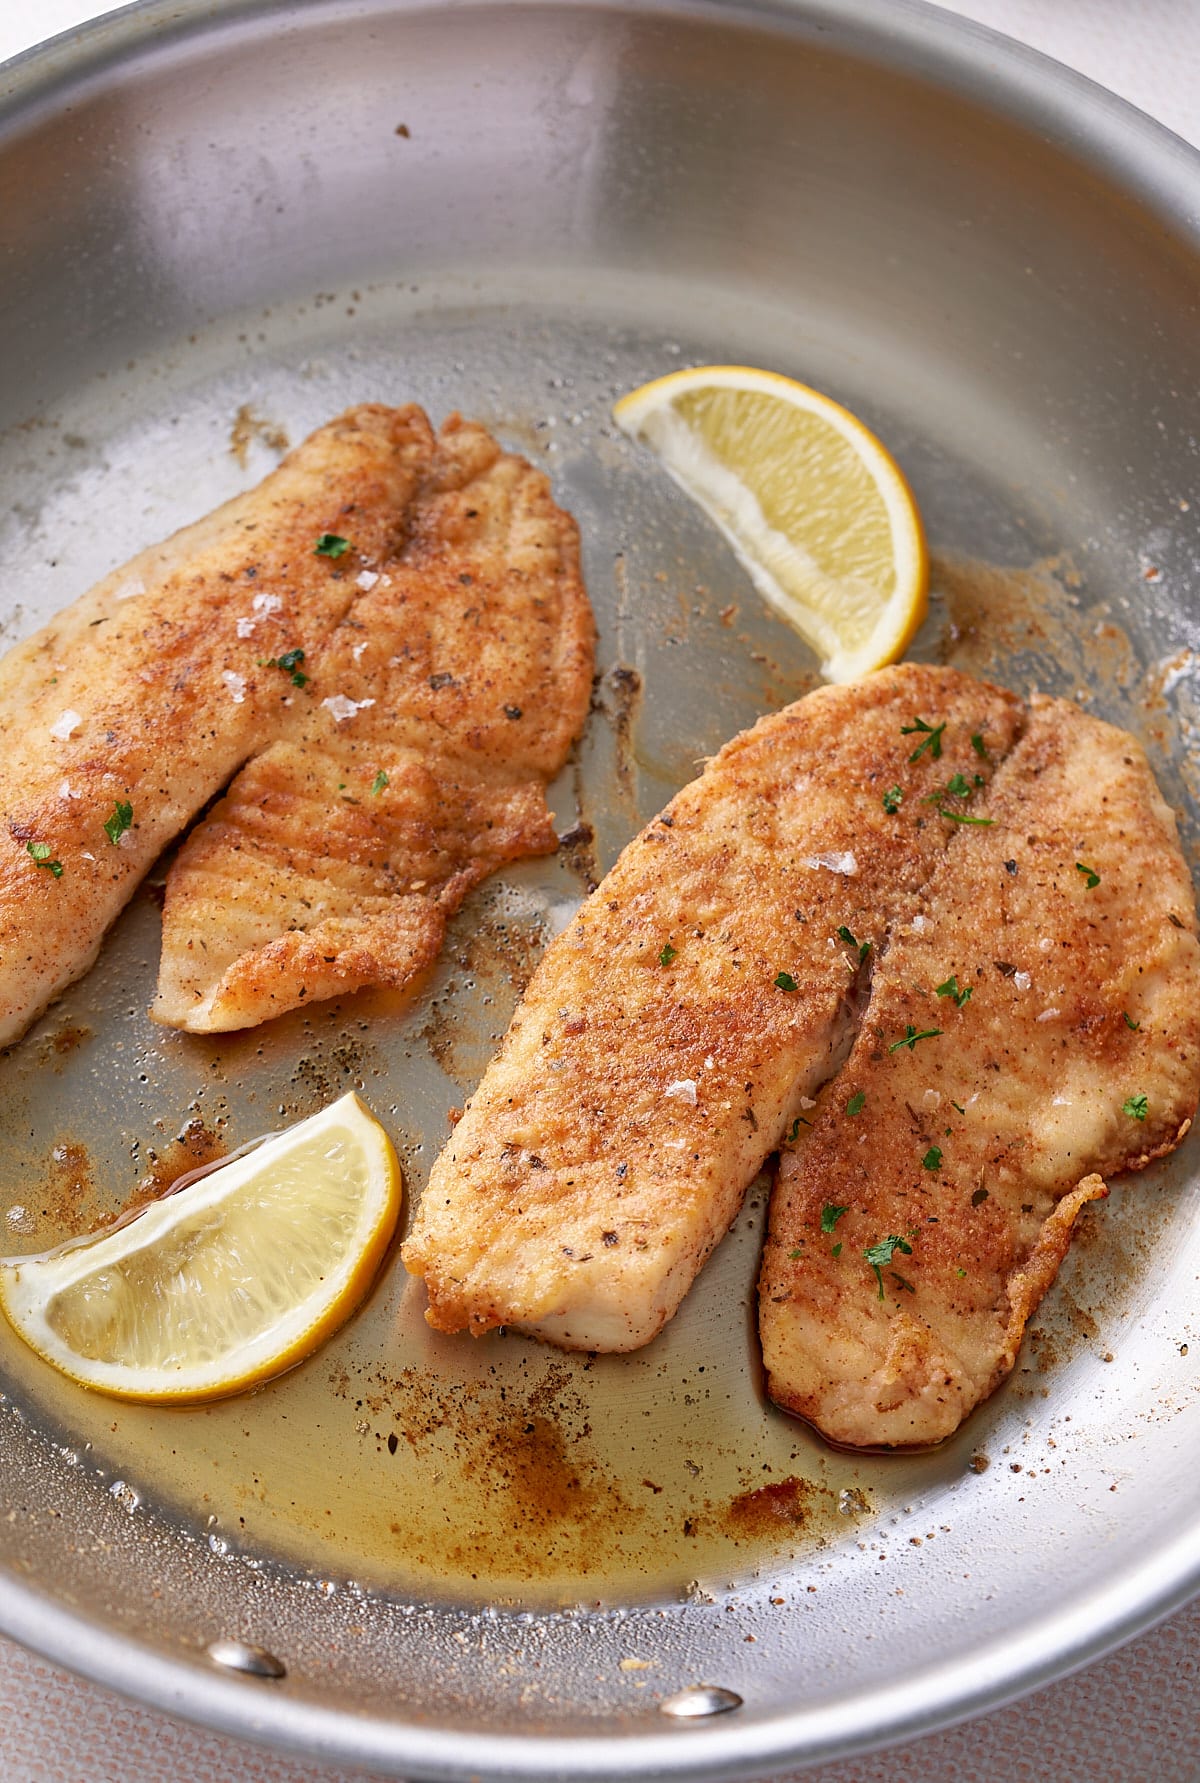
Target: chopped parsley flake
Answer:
pixel 785 981
pixel 864 947
pixel 794 1254
pixel 963 817
pixel 893 798
pixel 959 1107
pixel 667 955
pixel 1090 876
pixel 932 738
pixel 951 988
pixel 1135 1107
pixel 880 1254
pixel 856 1103
pixel 331 544
pixel 121 820
pixel 835 1250
pixel 957 787
pixel 977 744
pixel 912 1035
pixel 1130 1023
pixel 962 1272
pixel 933 1158
pixel 379 782
pixel 288 662
pixel 830 1215
pixel 40 852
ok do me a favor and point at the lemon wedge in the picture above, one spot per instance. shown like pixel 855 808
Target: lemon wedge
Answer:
pixel 816 509
pixel 237 1276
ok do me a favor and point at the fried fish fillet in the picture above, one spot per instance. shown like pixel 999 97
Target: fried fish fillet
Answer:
pixel 671 1037
pixel 1032 1027
pixel 145 693
pixel 413 762
pixel 238 641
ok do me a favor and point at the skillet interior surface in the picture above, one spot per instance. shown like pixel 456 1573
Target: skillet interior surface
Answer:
pixel 225 224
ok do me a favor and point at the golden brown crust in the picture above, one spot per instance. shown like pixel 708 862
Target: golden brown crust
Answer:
pixel 412 763
pixel 153 688
pixel 125 696
pixel 1066 923
pixel 582 1190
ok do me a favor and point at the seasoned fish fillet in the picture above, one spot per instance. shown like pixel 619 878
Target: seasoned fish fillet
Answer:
pixel 410 765
pixel 1051 965
pixel 146 693
pixel 672 1035
pixel 434 668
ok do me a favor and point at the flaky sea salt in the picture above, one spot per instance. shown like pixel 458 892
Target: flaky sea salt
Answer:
pixel 266 603
pixel 833 862
pixel 1022 980
pixel 236 684
pixel 66 725
pixel 340 706
pixel 682 1090
pixel 366 580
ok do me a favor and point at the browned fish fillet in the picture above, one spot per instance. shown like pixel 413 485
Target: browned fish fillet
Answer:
pixel 412 763
pixel 236 641
pixel 146 691
pixel 673 1034
pixel 1052 965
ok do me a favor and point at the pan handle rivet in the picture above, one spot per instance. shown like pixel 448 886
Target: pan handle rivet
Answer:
pixel 240 1656
pixel 700 1699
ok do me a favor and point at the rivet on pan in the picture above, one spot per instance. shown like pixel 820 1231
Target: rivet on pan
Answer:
pixel 700 1699
pixel 240 1656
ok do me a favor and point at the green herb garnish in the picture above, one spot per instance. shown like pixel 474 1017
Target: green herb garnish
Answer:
pixel 40 851
pixel 1135 1107
pixel 864 947
pixel 121 820
pixel 977 745
pixel 379 782
pixel 856 1103
pixel 1136 1026
pixel 785 981
pixel 667 955
pixel 933 1158
pixel 893 798
pixel 830 1215
pixel 288 663
pixel 932 738
pixel 331 544
pixel 912 1035
pixel 951 988
pixel 880 1254
pixel 1090 876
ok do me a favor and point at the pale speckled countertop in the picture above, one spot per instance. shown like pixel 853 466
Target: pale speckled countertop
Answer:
pixel 1130 1719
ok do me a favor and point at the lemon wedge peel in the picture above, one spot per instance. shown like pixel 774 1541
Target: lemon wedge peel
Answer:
pixel 846 506
pixel 234 1279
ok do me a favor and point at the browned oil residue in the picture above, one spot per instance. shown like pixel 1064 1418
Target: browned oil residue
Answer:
pixel 760 1513
pixel 248 427
pixel 578 848
pixel 521 1491
pixel 195 1147
pixel 993 612
pixel 69 1187
pixel 64 1041
pixel 499 954
pixel 616 698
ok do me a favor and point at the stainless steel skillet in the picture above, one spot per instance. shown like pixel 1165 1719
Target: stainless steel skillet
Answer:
pixel 222 223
